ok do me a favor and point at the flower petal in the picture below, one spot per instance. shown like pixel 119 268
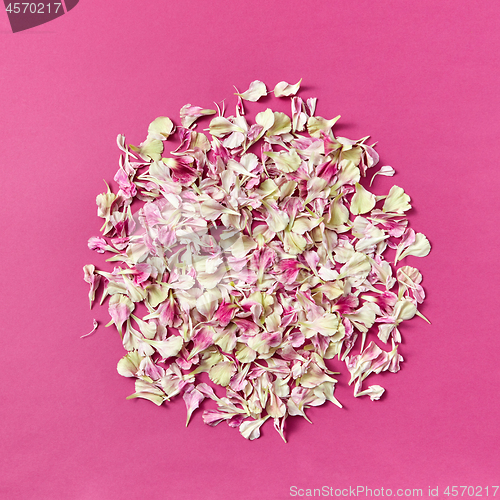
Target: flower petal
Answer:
pixel 256 90
pixel 284 89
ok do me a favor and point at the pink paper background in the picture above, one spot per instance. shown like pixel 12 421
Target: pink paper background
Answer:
pixel 420 77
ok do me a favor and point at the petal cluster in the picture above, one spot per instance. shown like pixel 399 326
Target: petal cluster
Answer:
pixel 258 258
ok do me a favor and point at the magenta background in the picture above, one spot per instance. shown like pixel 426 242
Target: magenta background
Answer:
pixel 420 77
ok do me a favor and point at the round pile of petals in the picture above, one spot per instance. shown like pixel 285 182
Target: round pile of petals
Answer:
pixel 258 253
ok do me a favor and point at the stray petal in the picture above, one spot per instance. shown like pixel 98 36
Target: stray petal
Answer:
pixel 96 324
pixel 256 90
pixel 385 171
pixel 284 89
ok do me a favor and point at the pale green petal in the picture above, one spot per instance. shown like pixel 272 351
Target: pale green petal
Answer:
pixel 404 310
pixel 314 377
pixel 156 294
pixel 234 140
pixel 147 328
pixel 358 266
pixel 282 124
pixel 317 124
pixel 200 140
pixel 287 189
pixel 242 246
pixel 327 325
pixel 273 321
pixel 397 201
pixel 249 161
pixel 245 354
pixel 277 219
pixel 211 280
pixel 338 213
pixel 331 291
pixel 268 190
pixel 294 243
pixel 239 168
pixel 129 364
pixel 208 302
pixel 265 119
pixel 350 153
pixel 303 224
pixel 384 331
pixel 146 390
pixel 287 162
pixel 259 344
pixel 168 347
pixel 363 201
pixel 221 126
pixel 151 148
pixel 221 373
pixel 349 174
pixel 327 389
pixel 161 128
pixel 364 317
pixel 226 340
pixel 211 210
